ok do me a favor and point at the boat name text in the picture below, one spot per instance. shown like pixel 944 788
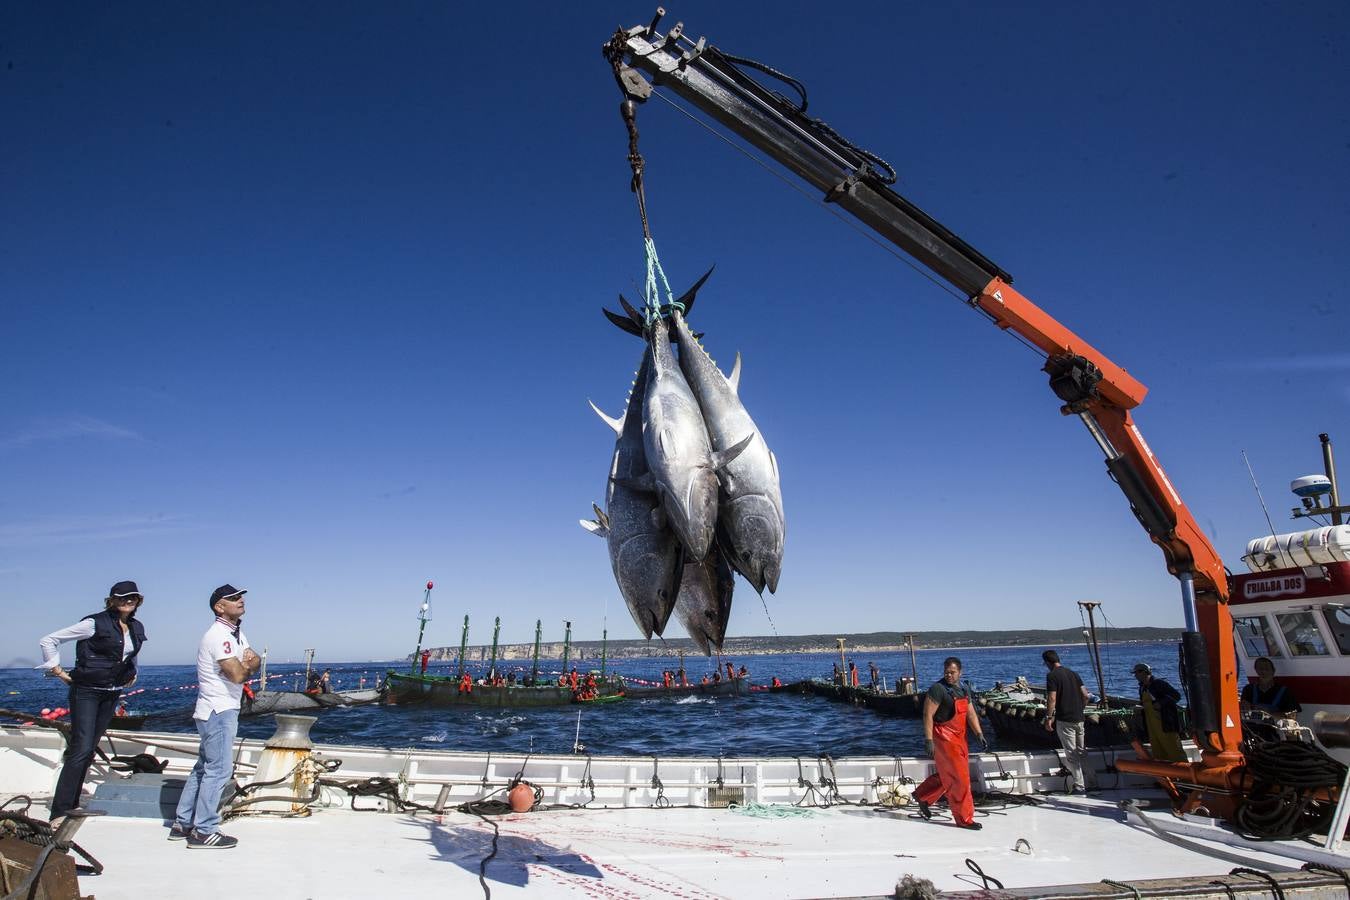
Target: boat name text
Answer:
pixel 1274 587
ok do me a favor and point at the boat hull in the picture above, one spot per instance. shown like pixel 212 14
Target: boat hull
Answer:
pixel 440 690
pixel 909 706
pixel 730 688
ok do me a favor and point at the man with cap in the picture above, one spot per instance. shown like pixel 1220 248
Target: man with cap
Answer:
pixel 224 663
pixel 1162 719
pixel 105 664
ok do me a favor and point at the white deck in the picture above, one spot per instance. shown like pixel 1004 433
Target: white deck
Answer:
pixel 629 853
pixel 624 846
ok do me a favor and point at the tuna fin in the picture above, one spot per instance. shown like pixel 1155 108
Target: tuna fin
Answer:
pixel 637 318
pixel 734 379
pixel 601 516
pixel 644 482
pixel 623 323
pixel 595 528
pixel 722 458
pixel 616 424
pixel 687 298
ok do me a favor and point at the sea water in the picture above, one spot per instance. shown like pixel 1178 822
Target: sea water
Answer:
pixel 758 724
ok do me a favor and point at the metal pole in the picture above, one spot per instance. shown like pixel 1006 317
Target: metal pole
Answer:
pixel 913 663
pixel 262 672
pixel 538 634
pixel 567 647
pixel 309 658
pixel 1096 649
pixel 604 647
pixel 463 645
pixel 423 616
pixel 843 666
pixel 1330 464
pixel 496 629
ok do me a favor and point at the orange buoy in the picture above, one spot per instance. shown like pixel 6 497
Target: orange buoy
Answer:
pixel 521 797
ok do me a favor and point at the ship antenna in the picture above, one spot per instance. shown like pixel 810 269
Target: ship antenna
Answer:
pixel 1258 493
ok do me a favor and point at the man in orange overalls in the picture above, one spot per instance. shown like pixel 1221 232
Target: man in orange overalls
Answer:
pixel 946 712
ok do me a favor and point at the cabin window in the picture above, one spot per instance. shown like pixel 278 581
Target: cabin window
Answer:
pixel 1257 636
pixel 1301 633
pixel 1339 620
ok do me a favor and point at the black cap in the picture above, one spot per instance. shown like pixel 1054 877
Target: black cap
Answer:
pixel 1142 667
pixel 224 592
pixel 125 589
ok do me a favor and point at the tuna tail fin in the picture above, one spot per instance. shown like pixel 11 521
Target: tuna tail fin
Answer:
pixel 600 515
pixel 734 379
pixel 623 323
pixel 616 424
pixel 687 298
pixel 722 458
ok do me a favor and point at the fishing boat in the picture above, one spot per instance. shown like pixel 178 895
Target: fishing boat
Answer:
pixel 1017 714
pixel 412 822
pixel 727 687
pixel 908 705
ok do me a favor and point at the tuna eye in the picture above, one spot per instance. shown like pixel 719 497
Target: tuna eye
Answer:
pixel 745 555
pixel 661 593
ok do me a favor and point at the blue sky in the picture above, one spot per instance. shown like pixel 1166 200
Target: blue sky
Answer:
pixel 306 298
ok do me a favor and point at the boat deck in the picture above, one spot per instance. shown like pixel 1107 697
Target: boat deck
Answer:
pixel 631 853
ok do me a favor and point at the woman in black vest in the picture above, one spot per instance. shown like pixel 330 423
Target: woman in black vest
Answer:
pixel 105 665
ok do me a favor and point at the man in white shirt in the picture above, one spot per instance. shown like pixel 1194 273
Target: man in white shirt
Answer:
pixel 224 663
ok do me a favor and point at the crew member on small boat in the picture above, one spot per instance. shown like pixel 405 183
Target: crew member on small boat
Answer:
pixel 776 682
pixel 873 676
pixel 742 672
pixel 838 676
pixel 1065 699
pixel 852 674
pixel 224 663
pixel 717 677
pixel 947 711
pixel 572 678
pixel 684 679
pixel 666 679
pixel 319 683
pixel 107 644
pixel 731 673
pixel 1266 695
pixel 1162 719
pixel 426 657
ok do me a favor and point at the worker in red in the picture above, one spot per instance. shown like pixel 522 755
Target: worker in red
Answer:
pixel 852 674
pixel 947 711
pixel 426 656
pixel 667 680
pixel 465 684
pixel 572 678
pixel 731 672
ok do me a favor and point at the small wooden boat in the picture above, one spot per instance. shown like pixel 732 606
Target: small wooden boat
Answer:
pixel 727 688
pixel 909 706
pixel 443 690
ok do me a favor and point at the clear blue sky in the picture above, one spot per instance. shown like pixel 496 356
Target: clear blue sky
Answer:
pixel 306 298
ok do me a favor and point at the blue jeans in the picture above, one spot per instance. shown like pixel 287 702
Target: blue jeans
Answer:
pixel 199 807
pixel 90 712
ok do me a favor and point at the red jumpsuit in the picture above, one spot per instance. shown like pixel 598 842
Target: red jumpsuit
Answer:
pixel 952 755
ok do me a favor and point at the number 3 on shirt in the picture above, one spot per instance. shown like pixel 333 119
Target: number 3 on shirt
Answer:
pixel 228 651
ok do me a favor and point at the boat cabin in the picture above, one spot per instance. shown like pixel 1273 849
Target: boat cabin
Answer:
pixel 1294 607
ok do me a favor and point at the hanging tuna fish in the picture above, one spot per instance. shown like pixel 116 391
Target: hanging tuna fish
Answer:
pixel 645 554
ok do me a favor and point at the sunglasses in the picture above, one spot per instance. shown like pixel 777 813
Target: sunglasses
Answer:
pixel 121 600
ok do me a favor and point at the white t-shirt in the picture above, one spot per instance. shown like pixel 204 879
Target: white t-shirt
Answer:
pixel 215 692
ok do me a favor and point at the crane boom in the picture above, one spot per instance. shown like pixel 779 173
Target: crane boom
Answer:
pixel 1094 388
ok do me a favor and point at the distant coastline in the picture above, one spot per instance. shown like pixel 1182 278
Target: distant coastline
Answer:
pixel 854 644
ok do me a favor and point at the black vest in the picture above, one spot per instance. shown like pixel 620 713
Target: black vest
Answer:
pixel 98 659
